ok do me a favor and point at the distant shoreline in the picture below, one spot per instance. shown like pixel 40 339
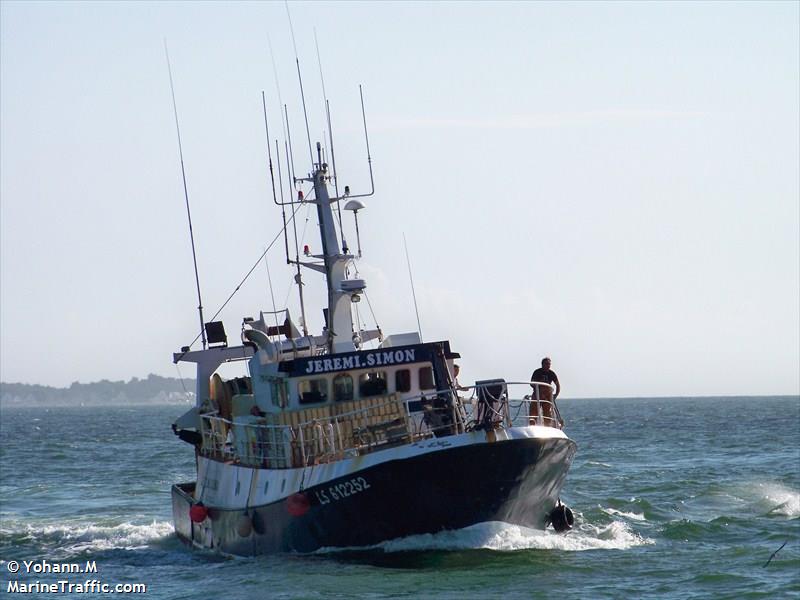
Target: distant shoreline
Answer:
pixel 161 391
pixel 157 390
pixel 151 390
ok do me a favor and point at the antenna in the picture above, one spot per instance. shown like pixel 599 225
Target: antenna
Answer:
pixel 333 155
pixel 269 151
pixel 300 79
pixel 305 112
pixel 274 197
pixel 186 196
pixel 335 178
pixel 319 61
pixel 284 128
pixel 299 277
pixel 277 81
pixel 413 293
pixel 328 116
pixel 283 204
pixel 369 157
pixel 290 157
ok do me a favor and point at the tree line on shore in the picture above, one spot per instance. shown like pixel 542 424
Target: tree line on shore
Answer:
pixel 152 389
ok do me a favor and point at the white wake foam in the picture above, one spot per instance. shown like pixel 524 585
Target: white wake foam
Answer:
pixel 627 515
pixel 508 538
pixel 597 463
pixel 783 500
pixel 80 537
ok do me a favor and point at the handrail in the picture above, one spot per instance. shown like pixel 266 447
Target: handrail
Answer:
pixel 255 441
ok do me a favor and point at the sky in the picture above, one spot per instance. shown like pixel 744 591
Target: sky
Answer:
pixel 615 185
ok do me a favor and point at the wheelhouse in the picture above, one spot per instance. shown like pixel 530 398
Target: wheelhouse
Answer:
pixel 409 371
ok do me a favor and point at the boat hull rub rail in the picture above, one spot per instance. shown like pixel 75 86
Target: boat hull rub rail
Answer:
pixel 516 481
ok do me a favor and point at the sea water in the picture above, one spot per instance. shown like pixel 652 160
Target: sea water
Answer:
pixel 674 498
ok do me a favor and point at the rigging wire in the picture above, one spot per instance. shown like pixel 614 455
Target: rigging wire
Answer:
pixel 372 312
pixel 180 376
pixel 413 292
pixel 359 326
pixel 272 293
pixel 305 225
pixel 302 239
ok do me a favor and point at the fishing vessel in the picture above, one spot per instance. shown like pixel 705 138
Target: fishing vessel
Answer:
pixel 349 437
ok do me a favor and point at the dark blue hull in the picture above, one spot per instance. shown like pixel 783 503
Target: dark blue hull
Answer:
pixel 516 481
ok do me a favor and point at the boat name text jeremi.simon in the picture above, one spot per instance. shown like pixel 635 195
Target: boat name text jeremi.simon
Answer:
pixel 372 359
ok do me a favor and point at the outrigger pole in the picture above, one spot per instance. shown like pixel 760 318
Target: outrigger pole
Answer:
pixel 186 196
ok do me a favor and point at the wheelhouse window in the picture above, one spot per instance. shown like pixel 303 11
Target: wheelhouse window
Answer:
pixel 372 384
pixel 402 380
pixel 312 391
pixel 342 387
pixel 426 379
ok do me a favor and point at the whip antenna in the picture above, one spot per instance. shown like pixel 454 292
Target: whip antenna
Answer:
pixel 277 81
pixel 272 177
pixel 275 200
pixel 330 137
pixel 300 79
pixel 319 61
pixel 290 156
pixel 186 196
pixel 298 279
pixel 269 151
pixel 283 204
pixel 369 156
pixel 413 293
pixel 366 137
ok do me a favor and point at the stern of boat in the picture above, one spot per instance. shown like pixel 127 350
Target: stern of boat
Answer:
pixel 182 502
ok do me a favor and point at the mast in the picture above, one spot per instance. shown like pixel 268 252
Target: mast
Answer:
pixel 341 291
pixel 342 334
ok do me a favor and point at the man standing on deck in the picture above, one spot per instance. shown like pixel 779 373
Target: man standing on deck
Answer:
pixel 546 375
pixel 545 392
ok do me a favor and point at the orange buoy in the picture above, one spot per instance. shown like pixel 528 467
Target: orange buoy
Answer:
pixel 198 513
pixel 297 504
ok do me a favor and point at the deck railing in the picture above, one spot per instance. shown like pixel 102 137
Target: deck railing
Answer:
pixel 274 441
pixel 537 407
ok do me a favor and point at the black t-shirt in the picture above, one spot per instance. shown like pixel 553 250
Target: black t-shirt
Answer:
pixel 544 375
